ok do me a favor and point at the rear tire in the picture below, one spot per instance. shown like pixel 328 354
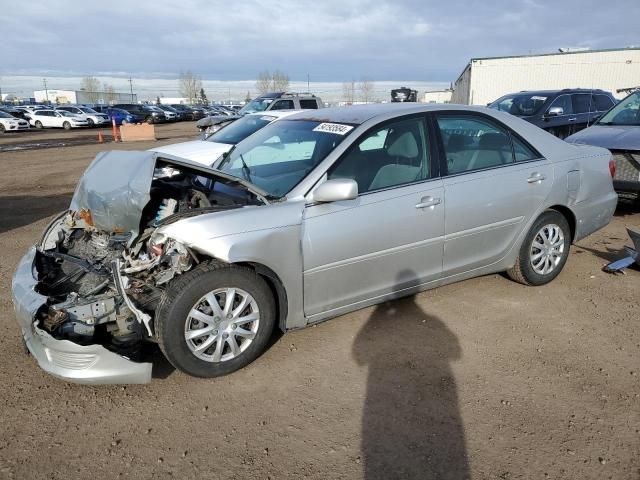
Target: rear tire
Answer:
pixel 66 126
pixel 233 341
pixel 39 124
pixel 2 129
pixel 544 251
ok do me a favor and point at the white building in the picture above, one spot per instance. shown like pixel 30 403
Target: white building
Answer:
pixel 484 80
pixel 437 96
pixel 82 96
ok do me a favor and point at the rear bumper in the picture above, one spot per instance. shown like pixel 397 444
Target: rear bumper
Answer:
pixel 592 215
pixel 626 185
pixel 90 364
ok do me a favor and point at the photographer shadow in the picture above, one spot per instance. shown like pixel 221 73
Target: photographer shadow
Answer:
pixel 411 425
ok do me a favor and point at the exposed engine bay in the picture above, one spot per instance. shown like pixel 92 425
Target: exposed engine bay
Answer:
pixel 104 284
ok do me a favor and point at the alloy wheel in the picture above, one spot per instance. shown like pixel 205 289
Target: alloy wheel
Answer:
pixel 222 324
pixel 547 249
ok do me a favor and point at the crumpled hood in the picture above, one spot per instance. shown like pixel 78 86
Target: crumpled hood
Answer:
pixel 114 189
pixel 199 151
pixel 622 137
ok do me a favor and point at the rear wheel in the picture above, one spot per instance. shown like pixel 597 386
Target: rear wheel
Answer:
pixel 124 122
pixel 66 126
pixel 544 250
pixel 2 129
pixel 215 319
pixel 39 124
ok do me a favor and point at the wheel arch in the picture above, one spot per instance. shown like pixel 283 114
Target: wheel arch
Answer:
pixel 568 214
pixel 277 288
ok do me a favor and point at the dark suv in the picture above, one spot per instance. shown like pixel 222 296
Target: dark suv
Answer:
pixel 142 111
pixel 560 112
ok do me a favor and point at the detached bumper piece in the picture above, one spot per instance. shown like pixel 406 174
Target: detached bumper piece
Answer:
pixel 87 364
pixel 634 255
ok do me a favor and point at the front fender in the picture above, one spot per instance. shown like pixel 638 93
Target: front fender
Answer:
pixel 269 235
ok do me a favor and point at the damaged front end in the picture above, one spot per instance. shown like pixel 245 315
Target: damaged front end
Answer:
pixel 86 294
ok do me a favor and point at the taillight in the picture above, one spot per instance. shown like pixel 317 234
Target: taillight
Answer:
pixel 612 167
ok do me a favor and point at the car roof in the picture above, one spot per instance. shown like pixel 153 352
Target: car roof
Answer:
pixel 557 92
pixel 275 113
pixel 358 114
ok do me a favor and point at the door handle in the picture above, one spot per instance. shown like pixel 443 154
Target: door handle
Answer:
pixel 536 177
pixel 572 119
pixel 426 202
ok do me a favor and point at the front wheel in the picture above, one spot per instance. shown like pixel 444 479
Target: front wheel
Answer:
pixel 215 319
pixel 149 120
pixel 2 129
pixel 39 124
pixel 544 250
pixel 90 123
pixel 66 126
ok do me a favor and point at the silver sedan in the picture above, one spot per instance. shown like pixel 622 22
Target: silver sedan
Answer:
pixel 309 218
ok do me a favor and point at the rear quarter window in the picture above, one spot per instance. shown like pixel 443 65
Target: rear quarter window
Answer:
pixel 308 104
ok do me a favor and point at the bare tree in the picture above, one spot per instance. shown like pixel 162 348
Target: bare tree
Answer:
pixel 91 85
pixel 280 81
pixel 263 84
pixel 349 92
pixel 109 92
pixel 366 90
pixel 189 86
pixel 276 82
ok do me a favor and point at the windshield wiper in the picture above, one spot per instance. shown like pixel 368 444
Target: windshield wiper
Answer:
pixel 245 169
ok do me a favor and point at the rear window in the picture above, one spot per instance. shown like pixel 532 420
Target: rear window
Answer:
pixel 602 103
pixel 308 104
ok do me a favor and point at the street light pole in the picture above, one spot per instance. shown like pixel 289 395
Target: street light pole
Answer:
pixel 131 88
pixel 308 89
pixel 46 92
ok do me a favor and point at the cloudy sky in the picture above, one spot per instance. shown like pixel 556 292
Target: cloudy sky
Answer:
pixel 331 40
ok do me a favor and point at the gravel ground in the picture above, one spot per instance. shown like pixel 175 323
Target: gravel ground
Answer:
pixel 484 379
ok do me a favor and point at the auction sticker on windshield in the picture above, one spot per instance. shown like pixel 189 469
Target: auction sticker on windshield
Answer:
pixel 336 128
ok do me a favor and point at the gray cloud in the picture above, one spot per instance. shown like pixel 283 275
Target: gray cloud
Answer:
pixel 331 40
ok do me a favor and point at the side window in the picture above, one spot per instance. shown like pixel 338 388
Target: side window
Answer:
pixel 473 143
pixel 283 105
pixel 522 152
pixel 602 103
pixel 564 102
pixel 308 104
pixel 581 102
pixel 389 156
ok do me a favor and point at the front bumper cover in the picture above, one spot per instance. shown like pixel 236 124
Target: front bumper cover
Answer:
pixel 91 364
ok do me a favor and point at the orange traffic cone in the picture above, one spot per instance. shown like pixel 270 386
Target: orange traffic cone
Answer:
pixel 100 139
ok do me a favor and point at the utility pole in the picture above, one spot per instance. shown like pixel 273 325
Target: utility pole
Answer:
pixel 46 92
pixel 308 89
pixel 131 88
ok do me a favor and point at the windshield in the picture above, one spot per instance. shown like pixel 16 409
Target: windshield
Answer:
pixel 257 105
pixel 521 105
pixel 88 110
pixel 280 155
pixel 627 112
pixel 5 115
pixel 240 129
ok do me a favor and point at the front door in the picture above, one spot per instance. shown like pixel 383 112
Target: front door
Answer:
pixel 387 240
pixel 494 184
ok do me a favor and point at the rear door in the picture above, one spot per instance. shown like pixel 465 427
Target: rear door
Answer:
pixel 581 109
pixel 494 183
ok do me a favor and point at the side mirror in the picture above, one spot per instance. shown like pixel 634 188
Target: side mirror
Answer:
pixel 555 112
pixel 335 190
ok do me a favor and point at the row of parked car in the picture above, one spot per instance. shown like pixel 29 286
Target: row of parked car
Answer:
pixel 75 116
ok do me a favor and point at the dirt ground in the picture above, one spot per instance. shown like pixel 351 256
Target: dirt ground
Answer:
pixel 484 379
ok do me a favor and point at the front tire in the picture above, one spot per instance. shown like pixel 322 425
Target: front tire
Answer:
pixel 544 250
pixel 90 123
pixel 39 124
pixel 149 120
pixel 66 126
pixel 2 129
pixel 215 319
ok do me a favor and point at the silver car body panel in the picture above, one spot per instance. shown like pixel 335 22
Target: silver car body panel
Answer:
pixel 332 258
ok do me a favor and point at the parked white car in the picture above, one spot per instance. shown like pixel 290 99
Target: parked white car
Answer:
pixel 9 123
pixel 56 119
pixel 208 150
pixel 89 114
